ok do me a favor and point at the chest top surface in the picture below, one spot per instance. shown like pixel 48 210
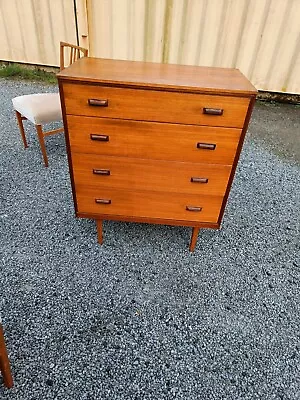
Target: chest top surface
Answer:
pixel 158 76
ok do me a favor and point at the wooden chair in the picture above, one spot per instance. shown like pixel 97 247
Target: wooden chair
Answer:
pixel 43 108
pixel 4 362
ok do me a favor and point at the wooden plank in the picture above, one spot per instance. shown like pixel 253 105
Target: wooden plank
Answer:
pixel 171 142
pixel 141 174
pixel 161 76
pixel 148 204
pixel 150 105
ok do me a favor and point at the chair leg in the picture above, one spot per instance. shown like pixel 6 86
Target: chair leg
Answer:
pixel 42 143
pixel 4 362
pixel 21 127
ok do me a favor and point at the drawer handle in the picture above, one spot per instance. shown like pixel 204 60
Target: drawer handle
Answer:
pixel 98 102
pixel 213 111
pixel 103 201
pixel 206 146
pixel 195 179
pixel 101 171
pixel 100 138
pixel 192 208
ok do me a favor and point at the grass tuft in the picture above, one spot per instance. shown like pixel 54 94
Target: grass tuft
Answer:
pixel 21 72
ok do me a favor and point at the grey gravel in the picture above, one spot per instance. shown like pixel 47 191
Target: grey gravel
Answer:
pixel 140 317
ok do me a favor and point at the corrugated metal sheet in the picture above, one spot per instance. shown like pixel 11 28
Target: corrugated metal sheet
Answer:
pixel 30 30
pixel 260 37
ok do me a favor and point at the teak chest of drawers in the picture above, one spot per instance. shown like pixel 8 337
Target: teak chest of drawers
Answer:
pixel 151 142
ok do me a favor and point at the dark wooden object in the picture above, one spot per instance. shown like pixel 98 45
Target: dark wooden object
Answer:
pixel 4 362
pixel 151 142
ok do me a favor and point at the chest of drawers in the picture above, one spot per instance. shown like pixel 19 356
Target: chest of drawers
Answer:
pixel 151 142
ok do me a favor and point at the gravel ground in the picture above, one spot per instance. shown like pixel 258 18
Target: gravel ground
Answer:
pixel 140 317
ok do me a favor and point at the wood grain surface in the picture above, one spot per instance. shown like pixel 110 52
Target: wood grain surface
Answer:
pixel 152 142
pixel 159 76
pixel 150 204
pixel 149 105
pixel 140 174
pixel 172 142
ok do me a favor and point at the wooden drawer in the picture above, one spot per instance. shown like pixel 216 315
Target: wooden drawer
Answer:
pixel 148 204
pixel 151 105
pixel 152 140
pixel 140 174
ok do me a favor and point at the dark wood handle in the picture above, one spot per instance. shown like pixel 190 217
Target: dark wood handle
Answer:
pixel 193 208
pixel 103 201
pixel 212 111
pixel 101 171
pixel 98 102
pixel 195 179
pixel 100 138
pixel 206 146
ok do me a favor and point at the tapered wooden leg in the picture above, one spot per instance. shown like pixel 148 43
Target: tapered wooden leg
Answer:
pixel 21 127
pixel 4 362
pixel 194 238
pixel 42 143
pixel 100 230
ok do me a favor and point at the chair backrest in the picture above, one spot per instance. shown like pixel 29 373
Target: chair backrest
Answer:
pixel 71 53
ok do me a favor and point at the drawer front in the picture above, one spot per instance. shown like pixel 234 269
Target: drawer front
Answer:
pixel 153 140
pixel 140 174
pixel 150 105
pixel 173 206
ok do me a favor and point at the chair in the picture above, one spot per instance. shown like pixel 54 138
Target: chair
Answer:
pixel 4 362
pixel 43 108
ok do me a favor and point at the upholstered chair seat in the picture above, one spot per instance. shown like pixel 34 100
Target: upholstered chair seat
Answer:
pixel 43 108
pixel 39 108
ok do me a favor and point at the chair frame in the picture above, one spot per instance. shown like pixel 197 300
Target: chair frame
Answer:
pixel 75 53
pixel 4 362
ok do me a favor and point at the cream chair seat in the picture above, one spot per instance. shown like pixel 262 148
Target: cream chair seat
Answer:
pixel 40 108
pixel 43 108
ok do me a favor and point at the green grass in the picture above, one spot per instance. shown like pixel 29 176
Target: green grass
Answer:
pixel 21 72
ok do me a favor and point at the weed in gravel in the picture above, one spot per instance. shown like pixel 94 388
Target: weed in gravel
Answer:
pixel 13 70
